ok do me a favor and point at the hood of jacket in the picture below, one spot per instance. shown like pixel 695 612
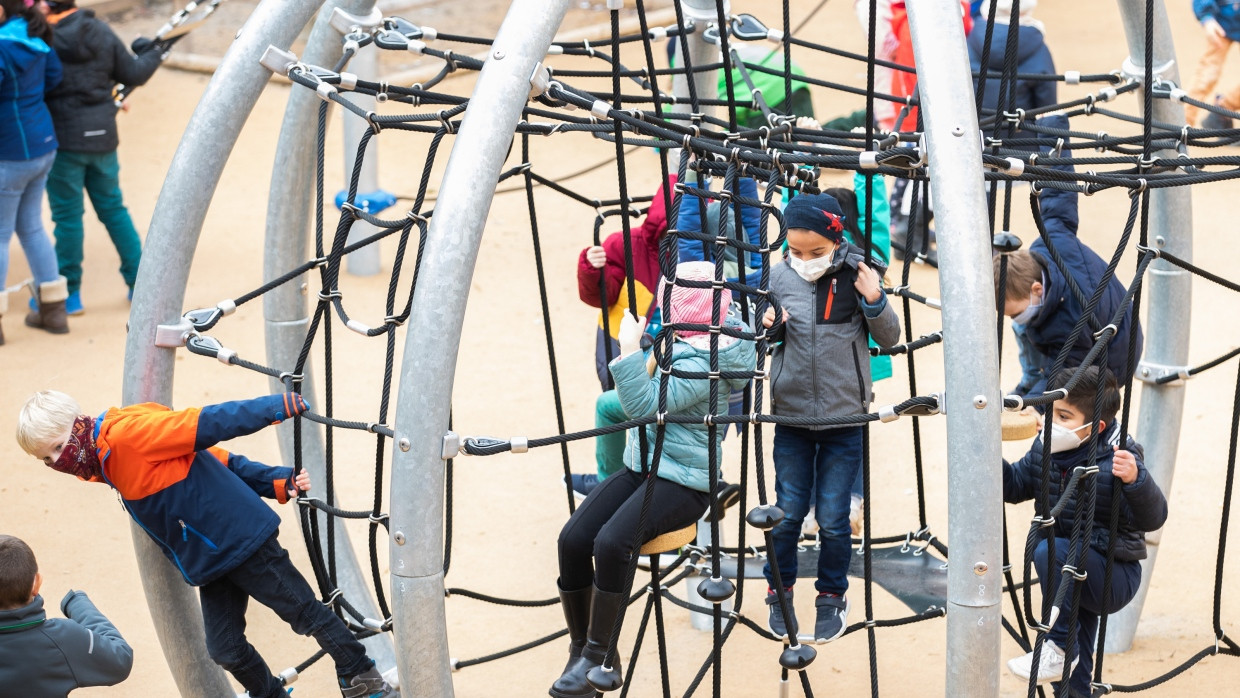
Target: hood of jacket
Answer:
pixel 24 49
pixel 1028 43
pixel 70 37
pixel 15 620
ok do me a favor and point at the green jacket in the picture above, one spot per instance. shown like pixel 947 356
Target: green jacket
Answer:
pixel 685 456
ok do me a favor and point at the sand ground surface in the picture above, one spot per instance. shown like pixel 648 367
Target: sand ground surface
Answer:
pixel 509 508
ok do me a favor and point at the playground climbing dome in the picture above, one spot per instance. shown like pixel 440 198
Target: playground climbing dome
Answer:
pixel 707 116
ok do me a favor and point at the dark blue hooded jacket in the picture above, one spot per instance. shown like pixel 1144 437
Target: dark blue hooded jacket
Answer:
pixel 1143 507
pixel 1050 329
pixel 1032 58
pixel 28 68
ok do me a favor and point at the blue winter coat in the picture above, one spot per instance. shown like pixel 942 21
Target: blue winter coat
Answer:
pixel 685 458
pixel 197 501
pixel 1050 328
pixel 1032 58
pixel 1227 14
pixel 28 68
pixel 1143 507
pixel 690 219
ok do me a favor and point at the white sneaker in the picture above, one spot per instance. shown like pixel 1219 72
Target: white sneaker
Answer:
pixel 1051 668
pixel 856 514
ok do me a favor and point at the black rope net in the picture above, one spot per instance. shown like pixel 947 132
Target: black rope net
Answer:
pixel 713 144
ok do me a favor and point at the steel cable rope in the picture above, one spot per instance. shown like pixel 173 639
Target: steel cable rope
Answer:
pixel 1147 155
pixel 619 139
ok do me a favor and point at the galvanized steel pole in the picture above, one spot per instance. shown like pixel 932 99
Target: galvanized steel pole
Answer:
pixel 433 340
pixel 970 355
pixel 701 52
pixel 160 292
pixel 1167 298
pixel 289 206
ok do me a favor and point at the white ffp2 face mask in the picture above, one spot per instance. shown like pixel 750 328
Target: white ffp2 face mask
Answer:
pixel 813 269
pixel 1065 439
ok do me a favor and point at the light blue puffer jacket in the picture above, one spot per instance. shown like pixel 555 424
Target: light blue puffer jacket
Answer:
pixel 685 457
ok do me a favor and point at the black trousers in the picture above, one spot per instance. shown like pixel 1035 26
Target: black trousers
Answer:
pixel 598 540
pixel 269 577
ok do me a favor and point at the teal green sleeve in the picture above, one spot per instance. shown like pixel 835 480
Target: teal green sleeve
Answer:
pixel 880 235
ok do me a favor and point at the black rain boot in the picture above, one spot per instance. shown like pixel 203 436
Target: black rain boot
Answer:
pixel 576 606
pixel 604 608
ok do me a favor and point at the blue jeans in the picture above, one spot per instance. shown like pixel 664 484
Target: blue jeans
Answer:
pixel 99 175
pixel 1033 364
pixel 270 578
pixel 815 467
pixel 1125 579
pixel 21 210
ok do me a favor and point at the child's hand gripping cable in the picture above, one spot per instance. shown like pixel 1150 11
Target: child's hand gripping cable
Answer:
pixel 630 335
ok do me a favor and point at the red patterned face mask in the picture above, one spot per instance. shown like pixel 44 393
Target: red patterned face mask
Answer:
pixel 79 456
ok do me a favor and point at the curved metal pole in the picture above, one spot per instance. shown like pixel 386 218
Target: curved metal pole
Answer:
pixel 970 355
pixel 429 362
pixel 284 308
pixel 160 293
pixel 1168 296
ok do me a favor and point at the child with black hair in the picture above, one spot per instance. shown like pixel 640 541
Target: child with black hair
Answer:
pixel 43 657
pixel 84 113
pixel 830 294
pixel 1143 508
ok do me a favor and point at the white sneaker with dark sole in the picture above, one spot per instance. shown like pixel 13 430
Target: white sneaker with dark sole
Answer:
pixel 1050 665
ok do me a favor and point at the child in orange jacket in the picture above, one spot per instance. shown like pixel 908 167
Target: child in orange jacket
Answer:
pixel 176 484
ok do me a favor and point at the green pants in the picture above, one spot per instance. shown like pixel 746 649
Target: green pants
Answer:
pixel 609 448
pixel 98 174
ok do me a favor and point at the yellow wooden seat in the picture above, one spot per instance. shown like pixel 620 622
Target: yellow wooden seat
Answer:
pixel 1019 426
pixel 673 540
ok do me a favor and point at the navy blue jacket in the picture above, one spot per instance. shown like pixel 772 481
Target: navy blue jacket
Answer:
pixel 43 657
pixel 1142 505
pixel 1032 58
pixel 28 68
pixel 1050 328
pixel 1226 13
pixel 198 502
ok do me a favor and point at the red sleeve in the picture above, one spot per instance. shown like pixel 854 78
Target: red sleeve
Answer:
pixel 587 281
pixel 613 273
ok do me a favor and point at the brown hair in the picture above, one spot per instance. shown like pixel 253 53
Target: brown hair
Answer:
pixel 36 23
pixel 1023 270
pixel 17 571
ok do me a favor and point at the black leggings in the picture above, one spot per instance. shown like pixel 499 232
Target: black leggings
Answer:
pixel 596 542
